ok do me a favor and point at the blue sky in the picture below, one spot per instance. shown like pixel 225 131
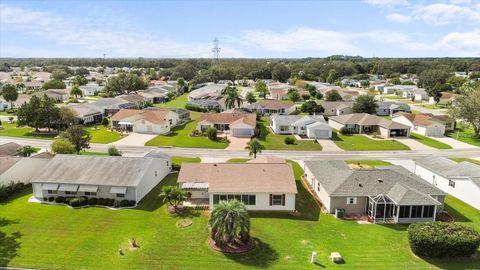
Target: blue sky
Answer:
pixel 257 29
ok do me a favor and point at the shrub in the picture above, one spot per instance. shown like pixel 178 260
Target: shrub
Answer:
pixel 289 140
pixel 105 121
pixel 92 201
pixel 344 131
pixel 51 199
pixel 116 203
pixel 74 202
pixel 101 201
pixel 109 202
pixel 83 201
pixel 439 239
pixel 59 199
pixel 113 151
pixel 211 133
pixel 6 191
pixel 132 203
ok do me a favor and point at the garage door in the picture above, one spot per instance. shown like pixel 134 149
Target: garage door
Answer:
pixel 321 134
pixel 434 132
pixel 241 132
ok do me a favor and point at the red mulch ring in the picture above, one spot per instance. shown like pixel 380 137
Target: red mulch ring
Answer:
pixel 444 217
pixel 235 248
pixel 180 209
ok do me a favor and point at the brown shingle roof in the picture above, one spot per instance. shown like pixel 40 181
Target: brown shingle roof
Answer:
pixel 424 119
pixel 230 118
pixel 366 119
pixel 9 149
pixel 243 177
pixel 275 104
pixel 153 116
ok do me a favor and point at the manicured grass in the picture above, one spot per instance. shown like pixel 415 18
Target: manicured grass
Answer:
pixel 89 153
pixel 371 163
pixel 429 141
pixel 11 130
pixel 6 113
pixel 471 160
pixel 180 137
pixel 363 143
pixel 238 160
pixel 273 141
pixel 101 134
pixel 465 134
pixel 56 237
pixel 392 97
pixel 178 102
pixel 177 160
pixel 416 112
pixel 434 106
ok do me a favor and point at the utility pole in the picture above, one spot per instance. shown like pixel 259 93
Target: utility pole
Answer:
pixel 215 51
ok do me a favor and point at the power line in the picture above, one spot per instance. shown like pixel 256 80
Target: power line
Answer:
pixel 216 50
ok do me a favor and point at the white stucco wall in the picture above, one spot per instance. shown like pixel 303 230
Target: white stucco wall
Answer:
pixel 162 167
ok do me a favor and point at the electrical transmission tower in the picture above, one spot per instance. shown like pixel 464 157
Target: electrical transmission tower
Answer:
pixel 216 50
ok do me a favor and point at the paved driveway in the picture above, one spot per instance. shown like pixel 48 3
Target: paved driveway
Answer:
pixel 427 110
pixel 329 146
pixel 237 144
pixel 413 144
pixel 455 144
pixel 135 139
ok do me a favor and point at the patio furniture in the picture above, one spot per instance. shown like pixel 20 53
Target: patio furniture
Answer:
pixel 336 257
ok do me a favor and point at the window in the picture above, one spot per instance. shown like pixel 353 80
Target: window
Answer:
pixel 433 180
pixel 276 199
pixel 216 199
pixel 451 183
pixel 52 191
pixel 70 192
pixel 318 187
pixel 246 199
pixel 428 211
pixel 90 193
pixel 404 212
pixel 416 211
pixel 351 200
pixel 156 173
pixel 120 195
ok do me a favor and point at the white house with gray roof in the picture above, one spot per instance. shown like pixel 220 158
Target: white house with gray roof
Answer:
pixel 121 178
pixel 388 194
pixel 391 107
pixel 366 123
pixel 461 180
pixel 311 126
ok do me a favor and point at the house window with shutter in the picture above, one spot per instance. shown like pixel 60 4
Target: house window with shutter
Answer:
pixel 351 200
pixel 277 199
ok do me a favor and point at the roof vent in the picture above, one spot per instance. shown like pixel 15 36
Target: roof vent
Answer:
pixel 215 164
pixel 360 185
pixel 380 180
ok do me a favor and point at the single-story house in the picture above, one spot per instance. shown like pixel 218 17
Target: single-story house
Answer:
pixel 337 107
pixel 86 114
pixel 391 107
pixel 17 169
pixel 237 123
pixel 279 90
pixel 461 180
pixel 158 121
pixel 155 94
pixel 9 149
pixel 59 95
pixel 138 100
pixel 121 178
pixel 90 89
pixel 367 123
pixel 389 194
pixel 312 126
pixel 207 90
pixel 446 98
pixel 393 89
pixel 418 94
pixel 271 107
pixel 260 186
pixel 209 103
pixel 22 98
pixel 109 106
pixel 425 124
pixel 32 85
pixel 183 115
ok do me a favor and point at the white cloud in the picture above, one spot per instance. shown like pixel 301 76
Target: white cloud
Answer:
pixel 300 39
pixel 398 18
pixel 441 14
pixel 461 43
pixel 114 38
pixel 386 2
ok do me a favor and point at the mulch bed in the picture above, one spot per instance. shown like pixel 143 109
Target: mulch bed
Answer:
pixel 184 222
pixel 234 248
pixel 180 209
pixel 444 217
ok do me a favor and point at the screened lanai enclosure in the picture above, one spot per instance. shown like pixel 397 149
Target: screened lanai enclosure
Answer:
pixel 381 209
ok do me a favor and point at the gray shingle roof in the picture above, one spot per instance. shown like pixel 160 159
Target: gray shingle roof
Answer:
pixel 450 169
pixel 339 180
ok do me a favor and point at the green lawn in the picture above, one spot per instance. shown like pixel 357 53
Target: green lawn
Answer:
pixel 6 113
pixel 273 141
pixel 178 102
pixel 180 137
pixel 45 236
pixel 90 153
pixel 177 160
pixel 471 160
pixel 11 130
pixel 101 134
pixel 363 143
pixel 238 160
pixel 435 106
pixel 429 141
pixel 368 162
pixel 465 134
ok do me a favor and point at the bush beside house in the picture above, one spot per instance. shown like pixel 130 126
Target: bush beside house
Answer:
pixel 440 239
pixel 84 201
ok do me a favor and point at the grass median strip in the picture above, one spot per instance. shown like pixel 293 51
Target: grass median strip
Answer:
pixel 358 142
pixel 429 141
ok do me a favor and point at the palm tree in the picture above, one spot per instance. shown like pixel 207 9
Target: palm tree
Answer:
pixel 27 150
pixel 250 98
pixel 254 147
pixel 229 221
pixel 231 97
pixel 173 195
pixel 75 91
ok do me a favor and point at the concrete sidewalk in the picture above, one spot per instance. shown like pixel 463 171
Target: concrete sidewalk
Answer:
pixel 135 139
pixel 329 145
pixel 455 144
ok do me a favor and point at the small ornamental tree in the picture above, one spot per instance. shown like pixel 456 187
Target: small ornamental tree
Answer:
pixel 113 151
pixel 440 239
pixel 211 133
pixel 27 150
pixel 254 147
pixel 229 221
pixel 173 196
pixel 62 146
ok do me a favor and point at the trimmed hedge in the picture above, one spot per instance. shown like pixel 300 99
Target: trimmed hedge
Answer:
pixel 83 201
pixel 441 239
pixel 7 191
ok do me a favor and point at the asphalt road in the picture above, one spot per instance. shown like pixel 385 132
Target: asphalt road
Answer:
pixel 297 155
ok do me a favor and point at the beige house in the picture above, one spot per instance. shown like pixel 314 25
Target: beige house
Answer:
pixel 260 186
pixel 271 107
pixel 425 124
pixel 158 121
pixel 236 123
pixel 362 123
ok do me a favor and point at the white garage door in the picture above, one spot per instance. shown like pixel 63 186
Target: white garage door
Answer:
pixel 434 132
pixel 241 132
pixel 321 134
